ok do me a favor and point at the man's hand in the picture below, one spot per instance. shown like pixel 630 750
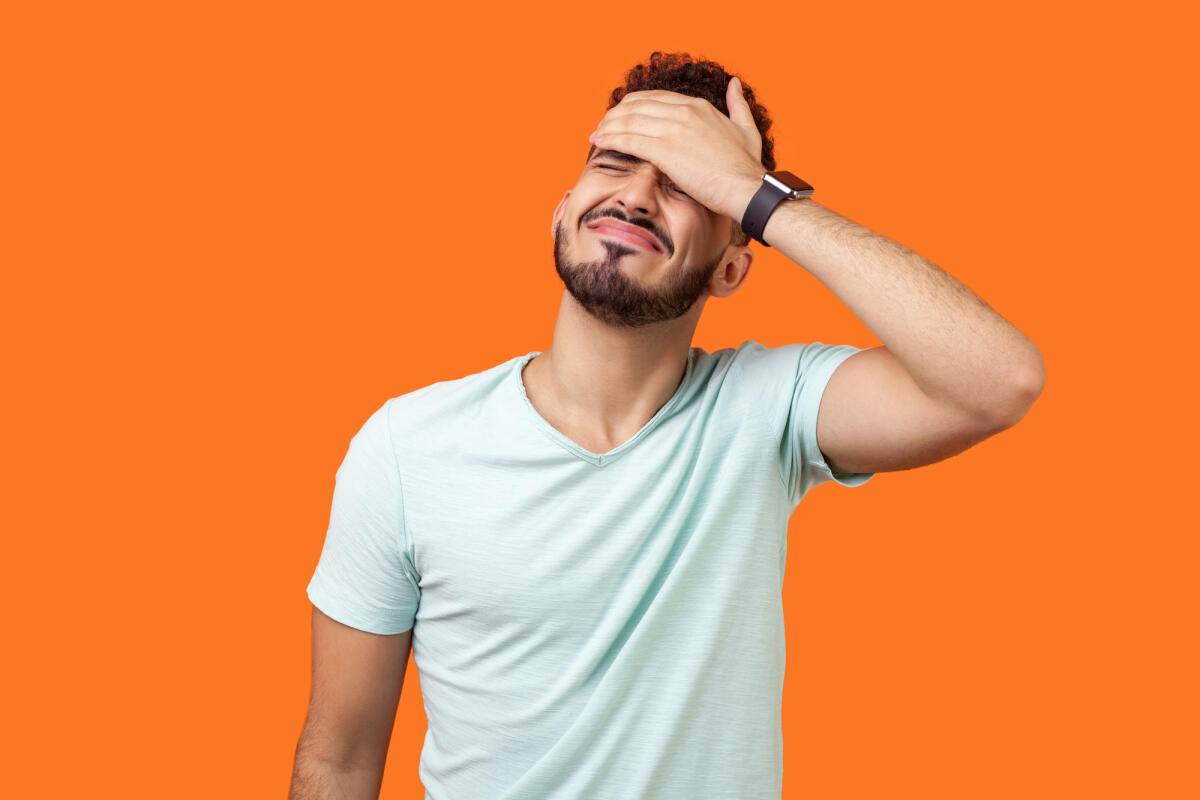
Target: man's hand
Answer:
pixel 711 157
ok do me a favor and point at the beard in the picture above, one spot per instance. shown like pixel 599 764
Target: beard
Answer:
pixel 610 295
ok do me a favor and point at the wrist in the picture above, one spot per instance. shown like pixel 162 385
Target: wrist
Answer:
pixel 743 190
pixel 776 188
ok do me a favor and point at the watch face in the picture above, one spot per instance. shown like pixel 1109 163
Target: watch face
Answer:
pixel 798 186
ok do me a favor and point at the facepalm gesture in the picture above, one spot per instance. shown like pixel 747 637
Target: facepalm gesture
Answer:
pixel 711 157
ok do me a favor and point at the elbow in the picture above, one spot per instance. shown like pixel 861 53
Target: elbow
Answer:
pixel 1027 388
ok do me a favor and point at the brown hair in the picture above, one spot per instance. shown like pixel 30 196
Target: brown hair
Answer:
pixel 679 72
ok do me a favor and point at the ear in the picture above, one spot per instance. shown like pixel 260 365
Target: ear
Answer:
pixel 735 266
pixel 558 213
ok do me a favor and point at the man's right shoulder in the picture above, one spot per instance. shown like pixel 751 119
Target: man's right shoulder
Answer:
pixel 440 400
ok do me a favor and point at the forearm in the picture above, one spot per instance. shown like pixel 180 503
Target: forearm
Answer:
pixel 956 348
pixel 314 778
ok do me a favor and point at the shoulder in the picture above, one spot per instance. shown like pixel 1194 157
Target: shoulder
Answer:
pixel 442 399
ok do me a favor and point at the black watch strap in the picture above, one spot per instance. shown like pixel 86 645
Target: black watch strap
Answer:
pixel 772 192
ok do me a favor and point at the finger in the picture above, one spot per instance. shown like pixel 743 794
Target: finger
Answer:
pixel 661 95
pixel 642 124
pixel 646 108
pixel 739 109
pixel 633 144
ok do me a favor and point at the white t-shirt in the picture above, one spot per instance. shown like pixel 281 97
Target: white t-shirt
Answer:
pixel 587 626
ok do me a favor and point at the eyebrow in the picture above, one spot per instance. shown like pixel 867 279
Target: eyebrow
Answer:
pixel 618 156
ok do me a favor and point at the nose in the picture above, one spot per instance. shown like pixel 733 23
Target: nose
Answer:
pixel 640 192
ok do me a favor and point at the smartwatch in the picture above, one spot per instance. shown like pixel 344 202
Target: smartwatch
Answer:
pixel 776 187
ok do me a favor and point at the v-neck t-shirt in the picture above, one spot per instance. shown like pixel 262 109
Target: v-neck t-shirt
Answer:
pixel 586 625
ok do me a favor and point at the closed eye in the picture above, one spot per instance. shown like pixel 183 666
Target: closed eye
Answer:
pixel 671 186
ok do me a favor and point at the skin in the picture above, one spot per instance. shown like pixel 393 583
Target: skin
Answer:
pixel 627 314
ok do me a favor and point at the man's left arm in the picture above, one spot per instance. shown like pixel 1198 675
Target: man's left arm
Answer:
pixel 951 371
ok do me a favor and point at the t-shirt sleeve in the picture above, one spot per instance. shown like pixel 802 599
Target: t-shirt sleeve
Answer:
pixel 366 576
pixel 815 365
pixel 790 383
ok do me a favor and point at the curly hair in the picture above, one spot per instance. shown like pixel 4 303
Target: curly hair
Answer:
pixel 679 72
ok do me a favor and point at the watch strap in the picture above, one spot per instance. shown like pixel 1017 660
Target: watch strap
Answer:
pixel 768 197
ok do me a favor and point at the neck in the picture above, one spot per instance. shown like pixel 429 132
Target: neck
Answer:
pixel 607 382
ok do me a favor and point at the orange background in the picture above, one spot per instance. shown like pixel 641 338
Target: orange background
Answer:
pixel 233 230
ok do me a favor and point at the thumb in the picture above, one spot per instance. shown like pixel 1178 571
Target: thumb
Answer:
pixel 739 109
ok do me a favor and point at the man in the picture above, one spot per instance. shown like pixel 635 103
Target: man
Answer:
pixel 585 546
